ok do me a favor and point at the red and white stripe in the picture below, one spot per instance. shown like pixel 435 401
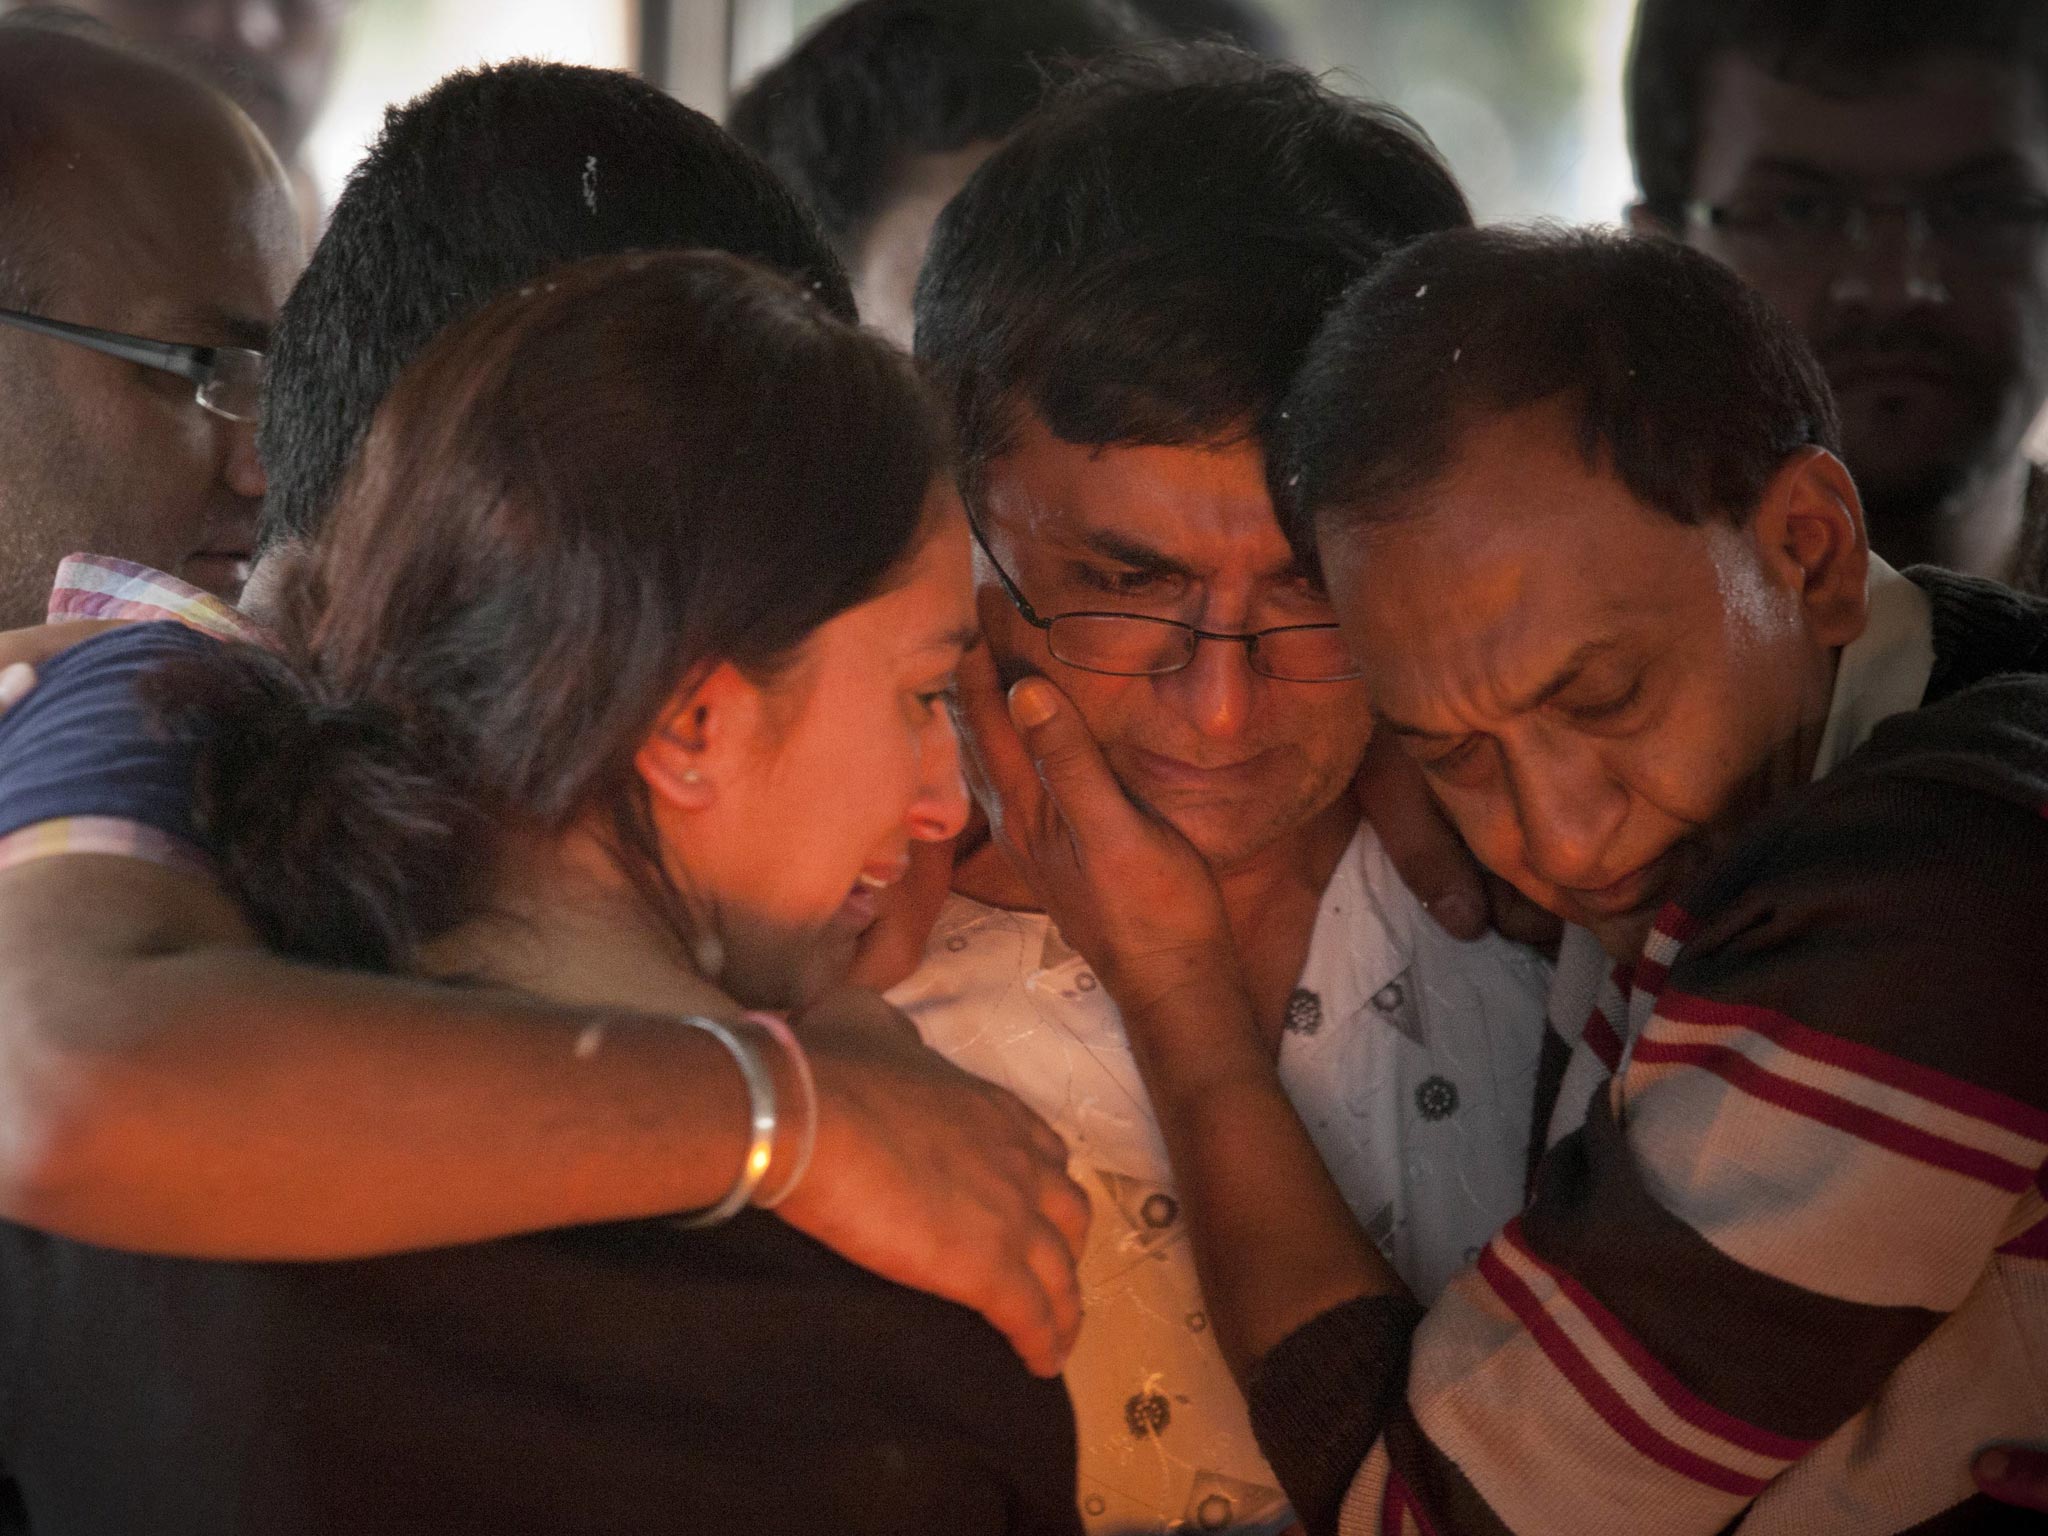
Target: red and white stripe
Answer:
pixel 1562 1420
pixel 1668 935
pixel 1380 1502
pixel 1821 1161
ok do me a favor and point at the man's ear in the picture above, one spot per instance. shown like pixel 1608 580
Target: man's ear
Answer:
pixel 1641 221
pixel 1809 535
pixel 702 738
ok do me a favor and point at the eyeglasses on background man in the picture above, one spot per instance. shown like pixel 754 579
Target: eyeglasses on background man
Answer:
pixel 227 381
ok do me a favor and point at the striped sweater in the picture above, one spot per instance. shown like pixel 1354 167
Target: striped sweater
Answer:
pixel 1788 1271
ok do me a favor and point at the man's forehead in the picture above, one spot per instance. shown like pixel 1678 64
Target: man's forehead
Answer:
pixel 1494 639
pixel 1519 556
pixel 1920 117
pixel 209 244
pixel 1198 505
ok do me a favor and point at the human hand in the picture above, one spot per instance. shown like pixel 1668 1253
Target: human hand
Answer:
pixel 938 1180
pixel 23 650
pixel 2013 1474
pixel 1127 891
pixel 1454 888
pixel 17 679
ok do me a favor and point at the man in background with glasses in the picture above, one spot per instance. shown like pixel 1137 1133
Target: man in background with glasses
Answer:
pixel 1114 305
pixel 276 59
pixel 1879 170
pixel 148 242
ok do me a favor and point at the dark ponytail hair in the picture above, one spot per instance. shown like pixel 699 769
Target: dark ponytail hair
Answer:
pixel 578 500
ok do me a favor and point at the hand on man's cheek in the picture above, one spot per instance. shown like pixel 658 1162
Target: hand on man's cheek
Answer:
pixel 1127 890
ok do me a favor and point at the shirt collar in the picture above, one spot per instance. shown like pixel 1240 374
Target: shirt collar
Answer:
pixel 1884 671
pixel 1355 948
pixel 102 587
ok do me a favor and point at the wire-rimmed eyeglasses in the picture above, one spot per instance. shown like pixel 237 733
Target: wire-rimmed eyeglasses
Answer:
pixel 227 381
pixel 1137 645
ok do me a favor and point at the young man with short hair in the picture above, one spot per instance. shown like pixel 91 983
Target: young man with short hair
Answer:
pixel 1878 169
pixel 1581 514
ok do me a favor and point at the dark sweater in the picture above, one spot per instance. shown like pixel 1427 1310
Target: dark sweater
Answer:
pixel 624 1379
pixel 1852 1002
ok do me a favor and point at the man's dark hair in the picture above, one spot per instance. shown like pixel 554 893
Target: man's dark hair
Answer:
pixel 492 178
pixel 883 80
pixel 1842 47
pixel 1147 260
pixel 1688 384
pixel 1242 22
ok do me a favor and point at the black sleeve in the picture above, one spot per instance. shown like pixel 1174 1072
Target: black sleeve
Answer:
pixel 1322 1395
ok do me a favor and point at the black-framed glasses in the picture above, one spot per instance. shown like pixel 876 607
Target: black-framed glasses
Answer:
pixel 1137 645
pixel 227 381
pixel 1990 223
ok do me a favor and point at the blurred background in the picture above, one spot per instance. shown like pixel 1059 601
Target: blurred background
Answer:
pixel 1522 96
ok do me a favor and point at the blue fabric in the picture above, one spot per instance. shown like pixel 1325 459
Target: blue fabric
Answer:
pixel 84 744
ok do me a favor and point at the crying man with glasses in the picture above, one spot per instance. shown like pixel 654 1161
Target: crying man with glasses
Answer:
pixel 149 239
pixel 1115 305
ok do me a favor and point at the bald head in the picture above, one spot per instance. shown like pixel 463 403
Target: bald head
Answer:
pixel 133 198
pixel 82 109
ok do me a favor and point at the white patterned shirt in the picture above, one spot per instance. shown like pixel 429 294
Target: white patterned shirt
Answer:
pixel 1411 1058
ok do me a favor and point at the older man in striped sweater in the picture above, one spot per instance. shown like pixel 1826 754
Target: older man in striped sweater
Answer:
pixel 1785 1264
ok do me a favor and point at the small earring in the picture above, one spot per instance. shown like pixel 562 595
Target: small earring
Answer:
pixel 709 954
pixel 692 776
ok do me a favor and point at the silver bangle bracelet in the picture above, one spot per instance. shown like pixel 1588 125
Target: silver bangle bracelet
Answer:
pixel 761 1122
pixel 807 1126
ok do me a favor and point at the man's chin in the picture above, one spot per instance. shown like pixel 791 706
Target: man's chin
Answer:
pixel 1907 473
pixel 1621 937
pixel 1225 834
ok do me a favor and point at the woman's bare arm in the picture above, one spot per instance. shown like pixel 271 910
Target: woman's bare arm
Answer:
pixel 168 1085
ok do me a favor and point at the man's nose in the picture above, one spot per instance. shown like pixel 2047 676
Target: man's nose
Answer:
pixel 1889 261
pixel 241 467
pixel 1214 690
pixel 1569 810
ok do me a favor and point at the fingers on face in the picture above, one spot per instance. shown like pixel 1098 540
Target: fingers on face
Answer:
pixel 999 768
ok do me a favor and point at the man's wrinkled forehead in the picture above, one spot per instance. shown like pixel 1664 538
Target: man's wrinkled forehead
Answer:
pixel 1522 538
pixel 1182 509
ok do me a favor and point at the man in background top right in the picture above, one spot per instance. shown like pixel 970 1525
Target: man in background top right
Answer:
pixel 1878 169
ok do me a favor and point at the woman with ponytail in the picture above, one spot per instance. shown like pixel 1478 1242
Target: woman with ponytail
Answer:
pixel 618 676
